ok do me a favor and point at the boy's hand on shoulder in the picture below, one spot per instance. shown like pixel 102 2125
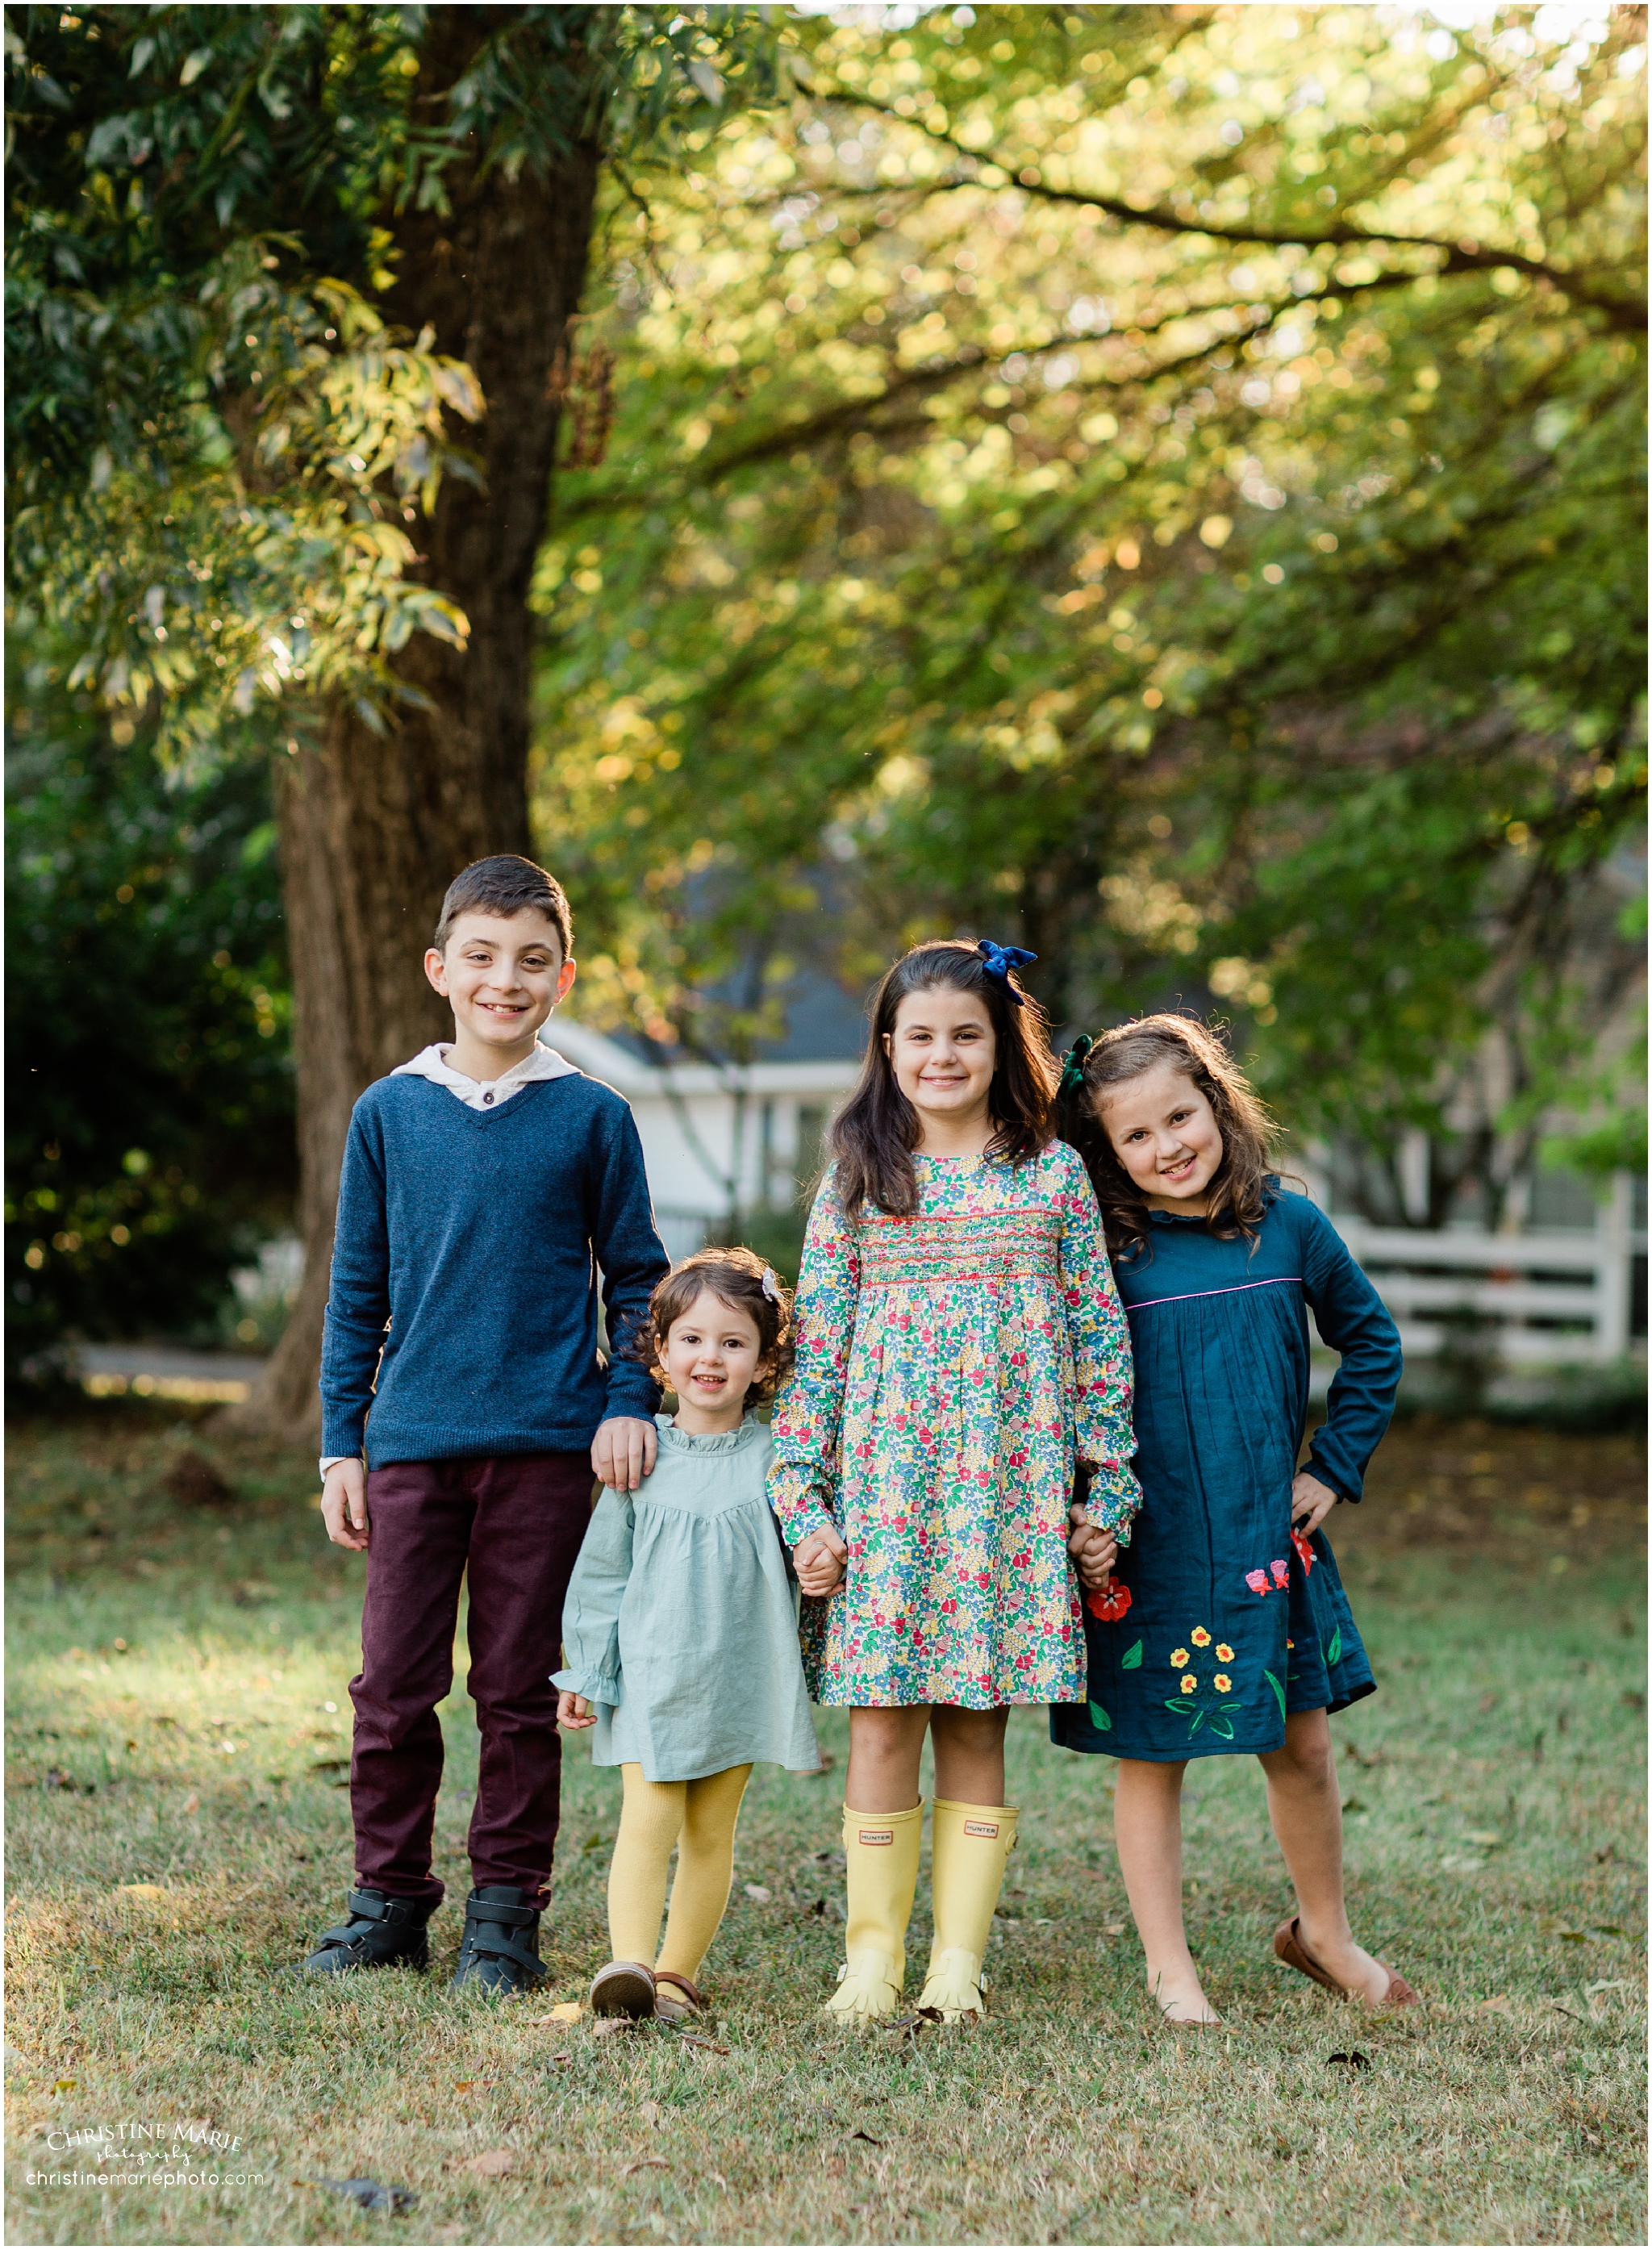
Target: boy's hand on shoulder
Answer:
pixel 573 1710
pixel 344 1505
pixel 1311 1502
pixel 819 1562
pixel 624 1451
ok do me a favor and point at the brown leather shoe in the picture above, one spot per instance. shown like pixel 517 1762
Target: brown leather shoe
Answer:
pixel 624 1988
pixel 683 2000
pixel 1290 1950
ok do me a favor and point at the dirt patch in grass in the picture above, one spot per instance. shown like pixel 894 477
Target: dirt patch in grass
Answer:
pixel 178 1726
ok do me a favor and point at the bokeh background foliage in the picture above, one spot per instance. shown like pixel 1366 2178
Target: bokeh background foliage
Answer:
pixel 1159 484
pixel 1162 484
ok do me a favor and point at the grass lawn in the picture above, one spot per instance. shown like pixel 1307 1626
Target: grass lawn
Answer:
pixel 178 1730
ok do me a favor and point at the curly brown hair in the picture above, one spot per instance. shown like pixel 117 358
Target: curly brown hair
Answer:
pixel 873 1136
pixel 1200 1052
pixel 740 1279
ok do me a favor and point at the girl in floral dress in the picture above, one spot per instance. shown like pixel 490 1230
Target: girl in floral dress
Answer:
pixel 959 1348
pixel 1229 1630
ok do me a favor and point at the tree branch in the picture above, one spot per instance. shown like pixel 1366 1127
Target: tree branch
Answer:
pixel 1466 255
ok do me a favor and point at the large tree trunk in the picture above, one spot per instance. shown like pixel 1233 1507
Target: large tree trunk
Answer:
pixel 374 827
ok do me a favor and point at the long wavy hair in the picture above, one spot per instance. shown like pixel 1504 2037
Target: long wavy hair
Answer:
pixel 873 1136
pixel 1200 1052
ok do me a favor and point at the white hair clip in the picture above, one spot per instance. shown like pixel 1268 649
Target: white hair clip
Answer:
pixel 771 1286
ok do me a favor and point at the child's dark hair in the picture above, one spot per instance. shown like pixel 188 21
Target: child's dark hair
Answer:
pixel 1200 1052
pixel 505 885
pixel 873 1136
pixel 741 1280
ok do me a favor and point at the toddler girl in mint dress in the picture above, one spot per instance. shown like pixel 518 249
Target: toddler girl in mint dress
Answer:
pixel 680 1634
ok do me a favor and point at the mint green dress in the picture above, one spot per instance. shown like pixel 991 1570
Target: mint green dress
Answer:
pixel 680 1625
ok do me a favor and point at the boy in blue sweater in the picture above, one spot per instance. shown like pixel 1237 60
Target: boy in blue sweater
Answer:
pixel 486 1184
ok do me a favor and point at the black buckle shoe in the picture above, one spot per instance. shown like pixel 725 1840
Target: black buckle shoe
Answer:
pixel 382 1933
pixel 497 1950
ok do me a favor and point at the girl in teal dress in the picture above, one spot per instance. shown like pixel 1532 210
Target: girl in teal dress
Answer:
pixel 1225 1628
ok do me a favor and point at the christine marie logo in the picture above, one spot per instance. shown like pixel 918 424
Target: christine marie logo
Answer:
pixel 180 2139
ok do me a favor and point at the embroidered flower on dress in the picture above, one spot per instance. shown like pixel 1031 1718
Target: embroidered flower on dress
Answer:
pixel 1302 1547
pixel 1224 1653
pixel 1258 1582
pixel 1188 1683
pixel 1108 1602
pixel 1221 1683
pixel 1281 1573
pixel 1178 1658
pixel 1199 1637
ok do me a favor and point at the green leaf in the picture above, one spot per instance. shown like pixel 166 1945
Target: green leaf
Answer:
pixel 1222 1727
pixel 1198 1722
pixel 1100 1720
pixel 1176 1703
pixel 1333 1653
pixel 1131 1662
pixel 1277 1690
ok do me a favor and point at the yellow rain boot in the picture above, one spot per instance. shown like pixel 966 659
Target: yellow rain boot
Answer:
pixel 972 1843
pixel 882 1849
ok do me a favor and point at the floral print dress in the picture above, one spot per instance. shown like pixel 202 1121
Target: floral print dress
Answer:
pixel 1222 1618
pixel 951 1369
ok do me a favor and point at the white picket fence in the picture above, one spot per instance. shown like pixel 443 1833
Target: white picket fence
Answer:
pixel 1558 1296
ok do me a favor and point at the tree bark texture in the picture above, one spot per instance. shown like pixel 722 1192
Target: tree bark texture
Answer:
pixel 374 827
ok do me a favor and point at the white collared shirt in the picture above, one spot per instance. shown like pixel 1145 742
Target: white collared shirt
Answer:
pixel 487 1093
pixel 476 1093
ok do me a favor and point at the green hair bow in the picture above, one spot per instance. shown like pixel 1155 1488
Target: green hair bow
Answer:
pixel 1072 1066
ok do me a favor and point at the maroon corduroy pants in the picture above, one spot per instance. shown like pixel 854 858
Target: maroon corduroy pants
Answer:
pixel 515 1522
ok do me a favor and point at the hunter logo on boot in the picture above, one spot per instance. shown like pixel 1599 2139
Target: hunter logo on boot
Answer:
pixel 976 1828
pixel 881 1835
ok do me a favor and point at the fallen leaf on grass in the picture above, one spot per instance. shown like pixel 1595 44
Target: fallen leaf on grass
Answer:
pixel 493 2163
pixel 462 2085
pixel 191 1804
pixel 1114 1929
pixel 371 2194
pixel 642 2165
pixel 1482 1836
pixel 610 2027
pixel 143 1891
pixel 649 2112
pixel 860 2134
pixel 758 1894
pixel 565 2012
pixel 1353 2060
pixel 693 2039
pixel 1501 2005
pixel 721 2182
pixel 66 2086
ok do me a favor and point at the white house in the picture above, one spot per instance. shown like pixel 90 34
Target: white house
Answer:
pixel 1565 1284
pixel 715 1135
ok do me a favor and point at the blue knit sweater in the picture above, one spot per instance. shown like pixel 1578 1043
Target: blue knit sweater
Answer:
pixel 475 1236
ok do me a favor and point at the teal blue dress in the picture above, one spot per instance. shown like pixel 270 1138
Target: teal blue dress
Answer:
pixel 1220 1617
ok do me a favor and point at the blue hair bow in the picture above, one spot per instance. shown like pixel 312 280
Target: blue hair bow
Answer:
pixel 1001 959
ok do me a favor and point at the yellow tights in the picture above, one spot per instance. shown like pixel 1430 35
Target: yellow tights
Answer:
pixel 699 1817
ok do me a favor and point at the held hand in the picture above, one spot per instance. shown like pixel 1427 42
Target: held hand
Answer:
pixel 344 1505
pixel 819 1562
pixel 1311 1502
pixel 573 1710
pixel 1094 1551
pixel 623 1452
